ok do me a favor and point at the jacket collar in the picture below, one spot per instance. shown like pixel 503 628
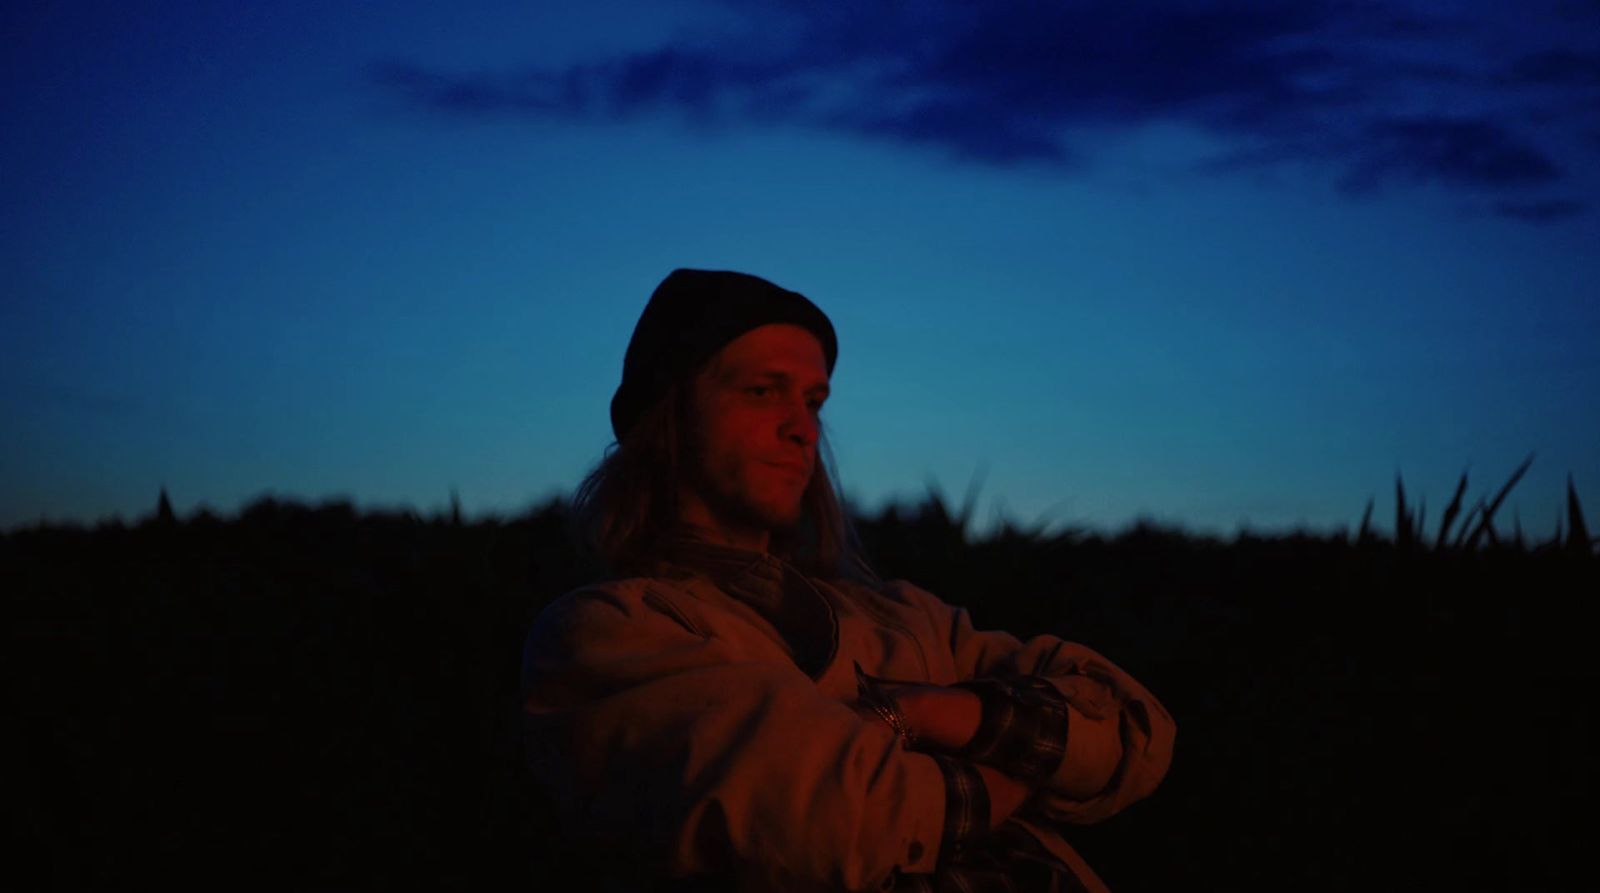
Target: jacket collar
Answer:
pixel 751 576
pixel 770 585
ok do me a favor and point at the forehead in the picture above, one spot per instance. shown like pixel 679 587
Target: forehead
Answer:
pixel 775 347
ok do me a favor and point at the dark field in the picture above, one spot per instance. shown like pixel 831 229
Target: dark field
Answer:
pixel 311 698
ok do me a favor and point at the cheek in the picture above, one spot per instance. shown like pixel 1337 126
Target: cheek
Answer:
pixel 732 469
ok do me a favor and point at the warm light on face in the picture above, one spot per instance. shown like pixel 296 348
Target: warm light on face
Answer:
pixel 756 432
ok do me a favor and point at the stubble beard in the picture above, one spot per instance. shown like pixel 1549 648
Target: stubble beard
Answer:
pixel 732 508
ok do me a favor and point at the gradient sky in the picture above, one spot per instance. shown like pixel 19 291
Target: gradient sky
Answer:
pixel 1217 264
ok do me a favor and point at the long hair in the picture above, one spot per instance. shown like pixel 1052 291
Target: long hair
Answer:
pixel 629 501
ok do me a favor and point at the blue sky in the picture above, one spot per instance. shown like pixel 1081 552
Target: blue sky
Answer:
pixel 1220 265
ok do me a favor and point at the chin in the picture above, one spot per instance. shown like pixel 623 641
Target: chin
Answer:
pixel 781 518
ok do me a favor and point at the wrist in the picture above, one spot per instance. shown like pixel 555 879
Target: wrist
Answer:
pixel 884 702
pixel 944 717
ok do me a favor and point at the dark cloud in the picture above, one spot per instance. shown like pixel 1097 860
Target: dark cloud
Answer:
pixel 1547 211
pixel 618 88
pixel 1369 94
pixel 465 95
pixel 969 127
pixel 1464 151
pixel 1557 67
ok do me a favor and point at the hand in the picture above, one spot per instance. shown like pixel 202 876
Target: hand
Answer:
pixel 941 718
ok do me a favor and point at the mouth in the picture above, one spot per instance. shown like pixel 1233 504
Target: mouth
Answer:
pixel 796 470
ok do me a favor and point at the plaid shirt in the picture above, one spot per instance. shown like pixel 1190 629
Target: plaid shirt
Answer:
pixel 1023 733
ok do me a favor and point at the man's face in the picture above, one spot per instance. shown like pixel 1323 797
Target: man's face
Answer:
pixel 756 409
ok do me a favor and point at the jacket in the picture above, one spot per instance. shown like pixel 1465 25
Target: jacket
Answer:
pixel 699 720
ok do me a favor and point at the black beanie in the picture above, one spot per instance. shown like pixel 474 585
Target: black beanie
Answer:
pixel 691 315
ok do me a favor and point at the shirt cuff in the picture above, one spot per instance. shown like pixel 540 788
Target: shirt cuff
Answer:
pixel 1023 729
pixel 966 807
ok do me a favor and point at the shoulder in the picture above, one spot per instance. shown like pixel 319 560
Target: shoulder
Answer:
pixel 607 603
pixel 627 627
pixel 905 592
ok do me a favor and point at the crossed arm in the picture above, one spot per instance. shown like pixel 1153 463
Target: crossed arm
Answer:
pixel 1060 728
pixel 945 719
pixel 641 726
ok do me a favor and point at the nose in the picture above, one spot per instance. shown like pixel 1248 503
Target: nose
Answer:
pixel 799 424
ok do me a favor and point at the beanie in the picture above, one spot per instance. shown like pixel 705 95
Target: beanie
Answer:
pixel 692 315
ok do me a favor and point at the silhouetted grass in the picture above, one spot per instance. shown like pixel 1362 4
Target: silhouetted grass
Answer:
pixel 313 696
pixel 1410 529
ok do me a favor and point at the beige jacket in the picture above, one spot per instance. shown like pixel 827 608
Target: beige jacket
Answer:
pixel 669 716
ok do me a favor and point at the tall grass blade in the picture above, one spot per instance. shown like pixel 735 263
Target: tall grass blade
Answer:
pixel 936 515
pixel 1450 513
pixel 1486 523
pixel 1402 521
pixel 934 505
pixel 969 501
pixel 1043 522
pixel 1577 531
pixel 164 513
pixel 1365 533
pixel 1466 525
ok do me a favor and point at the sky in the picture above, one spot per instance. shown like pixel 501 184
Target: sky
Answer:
pixel 1224 266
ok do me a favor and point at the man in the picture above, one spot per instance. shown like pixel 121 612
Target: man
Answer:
pixel 742 704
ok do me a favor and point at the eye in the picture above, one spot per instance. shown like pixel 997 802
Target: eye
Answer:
pixel 761 390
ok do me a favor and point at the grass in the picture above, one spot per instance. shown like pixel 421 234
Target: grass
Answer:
pixel 1477 529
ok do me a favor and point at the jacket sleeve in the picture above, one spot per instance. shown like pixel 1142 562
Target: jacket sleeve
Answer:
pixel 685 754
pixel 1118 736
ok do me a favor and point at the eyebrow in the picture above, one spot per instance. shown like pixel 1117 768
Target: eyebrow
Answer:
pixel 774 375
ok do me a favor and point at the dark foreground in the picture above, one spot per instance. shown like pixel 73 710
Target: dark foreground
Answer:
pixel 310 698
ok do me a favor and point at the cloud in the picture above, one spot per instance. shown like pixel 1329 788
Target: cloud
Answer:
pixel 1561 67
pixel 1470 151
pixel 1546 211
pixel 966 126
pixel 1375 96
